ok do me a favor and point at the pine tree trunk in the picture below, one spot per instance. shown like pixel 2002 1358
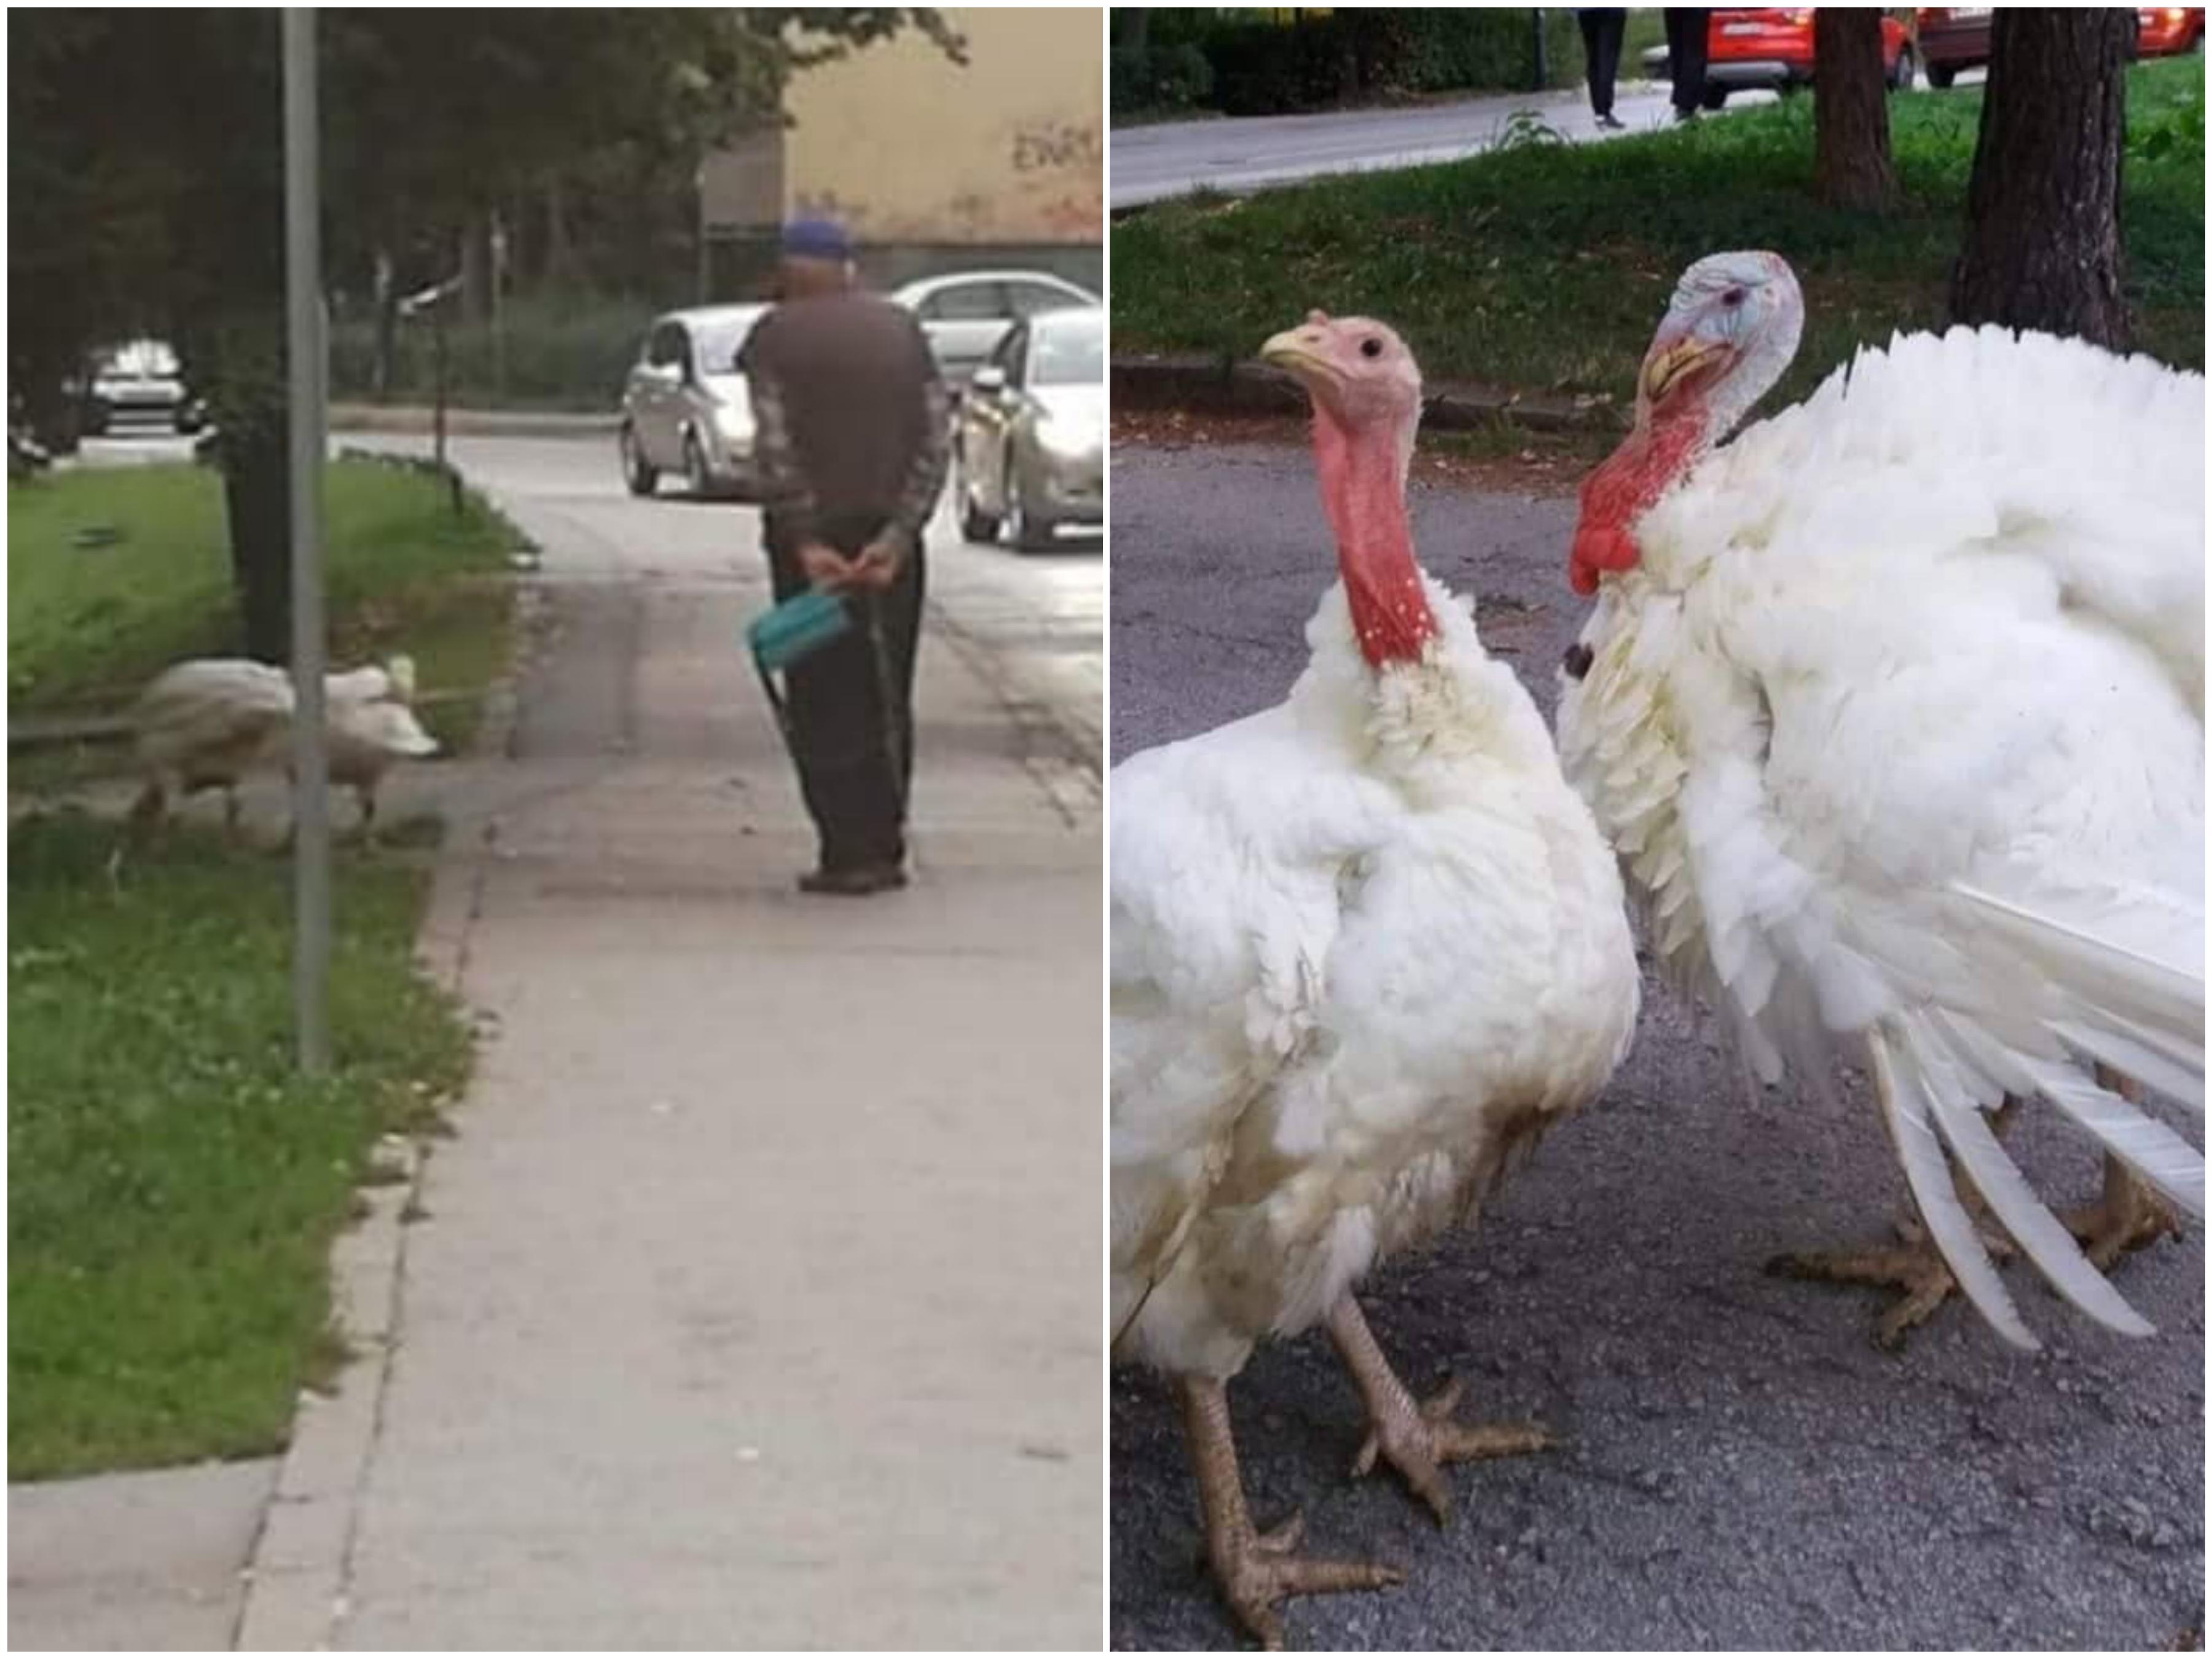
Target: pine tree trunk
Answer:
pixel 2043 213
pixel 1852 166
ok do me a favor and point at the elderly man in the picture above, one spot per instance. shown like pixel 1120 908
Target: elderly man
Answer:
pixel 851 441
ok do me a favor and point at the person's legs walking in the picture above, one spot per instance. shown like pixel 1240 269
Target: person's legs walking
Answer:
pixel 1602 32
pixel 1686 56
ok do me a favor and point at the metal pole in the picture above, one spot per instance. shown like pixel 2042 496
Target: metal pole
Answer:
pixel 304 367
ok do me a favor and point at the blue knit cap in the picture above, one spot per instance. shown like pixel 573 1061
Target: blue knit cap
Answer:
pixel 816 239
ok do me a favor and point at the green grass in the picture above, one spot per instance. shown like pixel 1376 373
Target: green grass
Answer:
pixel 88 626
pixel 1546 266
pixel 173 1186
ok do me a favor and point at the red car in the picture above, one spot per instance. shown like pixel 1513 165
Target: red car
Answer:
pixel 1772 46
pixel 1957 38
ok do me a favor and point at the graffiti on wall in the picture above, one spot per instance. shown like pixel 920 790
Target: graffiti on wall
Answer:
pixel 1052 146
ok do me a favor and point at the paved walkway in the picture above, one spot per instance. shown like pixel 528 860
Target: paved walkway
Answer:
pixel 757 1303
pixel 1248 153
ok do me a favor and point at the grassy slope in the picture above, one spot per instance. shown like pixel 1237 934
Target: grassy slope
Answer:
pixel 173 1188
pixel 89 626
pixel 1546 266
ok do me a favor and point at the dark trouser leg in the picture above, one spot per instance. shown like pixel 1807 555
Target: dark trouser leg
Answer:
pixel 1602 32
pixel 1685 54
pixel 842 727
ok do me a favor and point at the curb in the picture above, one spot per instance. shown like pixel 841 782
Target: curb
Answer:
pixel 417 419
pixel 1217 385
pixel 297 1577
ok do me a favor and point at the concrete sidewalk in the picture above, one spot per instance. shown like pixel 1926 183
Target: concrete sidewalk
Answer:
pixel 757 1302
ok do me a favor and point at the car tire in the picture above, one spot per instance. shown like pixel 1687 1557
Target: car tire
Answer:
pixel 638 473
pixel 1714 97
pixel 975 524
pixel 696 478
pixel 1900 78
pixel 1027 534
pixel 1941 75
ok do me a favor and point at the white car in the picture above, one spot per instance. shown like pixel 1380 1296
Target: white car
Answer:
pixel 966 313
pixel 686 408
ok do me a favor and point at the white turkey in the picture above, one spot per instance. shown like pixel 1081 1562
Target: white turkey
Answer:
pixel 1365 945
pixel 212 722
pixel 1893 707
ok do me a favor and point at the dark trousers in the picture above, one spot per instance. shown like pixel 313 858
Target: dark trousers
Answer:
pixel 851 716
pixel 1685 54
pixel 1601 36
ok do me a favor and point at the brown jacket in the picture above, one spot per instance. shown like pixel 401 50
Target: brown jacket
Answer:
pixel 850 415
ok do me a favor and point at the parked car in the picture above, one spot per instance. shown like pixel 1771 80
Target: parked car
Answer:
pixel 1029 440
pixel 1771 47
pixel 685 408
pixel 1956 37
pixel 2169 31
pixel 967 313
pixel 139 382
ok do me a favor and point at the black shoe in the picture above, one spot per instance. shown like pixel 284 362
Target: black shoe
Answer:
pixel 1681 114
pixel 853 880
pixel 1610 123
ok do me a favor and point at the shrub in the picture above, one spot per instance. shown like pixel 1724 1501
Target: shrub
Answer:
pixel 1160 77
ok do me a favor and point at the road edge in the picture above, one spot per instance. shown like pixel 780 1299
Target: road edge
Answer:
pixel 1204 385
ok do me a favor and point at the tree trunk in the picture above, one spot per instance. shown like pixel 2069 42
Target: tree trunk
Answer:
pixel 239 357
pixel 2043 213
pixel 257 492
pixel 1852 166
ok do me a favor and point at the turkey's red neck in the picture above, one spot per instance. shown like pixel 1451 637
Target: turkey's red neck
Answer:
pixel 1362 485
pixel 1645 466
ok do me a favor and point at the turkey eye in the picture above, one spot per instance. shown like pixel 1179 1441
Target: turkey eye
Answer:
pixel 1370 347
pixel 1733 298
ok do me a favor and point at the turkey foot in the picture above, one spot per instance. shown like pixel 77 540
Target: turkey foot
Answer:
pixel 2128 1216
pixel 1419 1437
pixel 1256 1569
pixel 1913 1265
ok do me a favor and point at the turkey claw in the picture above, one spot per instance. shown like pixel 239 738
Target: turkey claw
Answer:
pixel 1418 1442
pixel 1262 1569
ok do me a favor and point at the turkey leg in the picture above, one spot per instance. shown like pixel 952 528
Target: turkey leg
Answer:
pixel 1255 1570
pixel 1417 1436
pixel 2128 1215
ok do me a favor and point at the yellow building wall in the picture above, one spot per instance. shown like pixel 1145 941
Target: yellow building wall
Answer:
pixel 905 146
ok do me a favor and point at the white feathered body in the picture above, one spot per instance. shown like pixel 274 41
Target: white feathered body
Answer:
pixel 1364 944
pixel 1934 636
pixel 212 721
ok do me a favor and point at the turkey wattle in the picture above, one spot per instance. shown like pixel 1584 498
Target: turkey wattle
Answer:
pixel 1894 708
pixel 1365 944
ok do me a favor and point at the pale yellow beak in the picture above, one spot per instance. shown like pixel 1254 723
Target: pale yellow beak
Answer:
pixel 1665 368
pixel 1296 357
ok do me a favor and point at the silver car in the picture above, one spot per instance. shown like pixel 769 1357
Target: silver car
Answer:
pixel 968 313
pixel 686 409
pixel 1029 440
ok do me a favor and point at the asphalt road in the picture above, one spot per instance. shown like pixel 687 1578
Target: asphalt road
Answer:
pixel 1742 1469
